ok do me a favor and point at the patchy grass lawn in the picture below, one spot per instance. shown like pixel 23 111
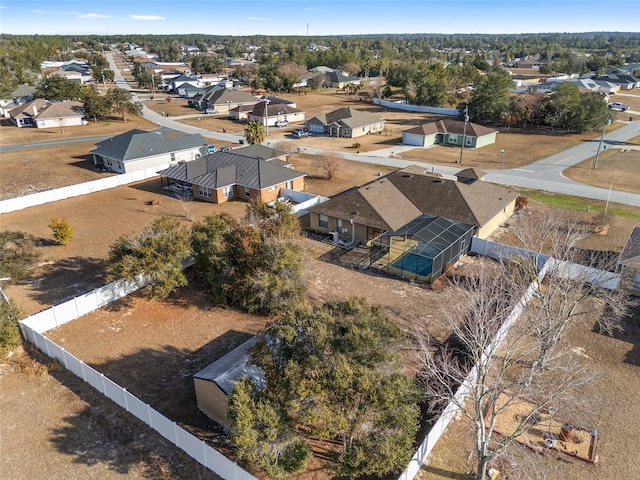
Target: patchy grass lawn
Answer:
pixel 618 168
pixel 12 135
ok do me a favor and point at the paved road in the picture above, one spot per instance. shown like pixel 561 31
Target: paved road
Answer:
pixel 53 143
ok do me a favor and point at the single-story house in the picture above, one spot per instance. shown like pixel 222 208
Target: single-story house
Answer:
pixel 214 383
pixel 241 112
pixel 181 80
pixel 629 262
pixel 275 112
pixel 346 122
pixel 139 150
pixel 19 96
pixel 42 113
pixel 223 176
pixel 625 82
pixel 188 91
pixel 279 100
pixel 224 99
pixel 449 132
pixel 361 214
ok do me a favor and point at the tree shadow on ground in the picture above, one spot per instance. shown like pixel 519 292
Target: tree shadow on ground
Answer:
pixel 163 378
pixel 630 333
pixel 68 278
pixel 104 434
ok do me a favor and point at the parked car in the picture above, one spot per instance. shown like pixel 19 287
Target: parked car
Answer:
pixel 210 111
pixel 282 123
pixel 300 133
pixel 618 106
pixel 225 149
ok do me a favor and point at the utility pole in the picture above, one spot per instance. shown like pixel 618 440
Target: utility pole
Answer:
pixel 606 124
pixel 464 131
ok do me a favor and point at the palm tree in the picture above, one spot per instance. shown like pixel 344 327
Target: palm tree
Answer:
pixel 254 133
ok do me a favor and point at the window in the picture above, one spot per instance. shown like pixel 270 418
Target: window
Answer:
pixel 227 192
pixel 636 282
pixel 290 185
pixel 173 157
pixel 247 192
pixel 452 139
pixel 204 192
pixel 468 141
pixel 323 221
pixel 339 223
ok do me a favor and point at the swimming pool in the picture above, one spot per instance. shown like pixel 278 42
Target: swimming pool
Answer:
pixel 410 262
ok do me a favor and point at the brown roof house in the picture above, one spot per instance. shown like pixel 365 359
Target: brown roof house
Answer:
pixel 237 174
pixel 42 113
pixel 346 122
pixel 449 132
pixel 225 99
pixel 629 262
pixel 360 214
pixel 274 114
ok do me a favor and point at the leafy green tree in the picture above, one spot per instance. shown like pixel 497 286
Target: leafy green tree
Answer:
pixel 121 102
pixel 254 133
pixel 56 89
pixel 61 229
pixel 18 254
pixel 263 434
pixel 9 329
pixel 336 369
pixel 490 97
pixel 208 241
pixel 257 266
pixel 95 105
pixel 158 252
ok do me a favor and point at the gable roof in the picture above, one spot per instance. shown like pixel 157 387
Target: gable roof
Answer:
pixel 630 256
pixel 222 169
pixel 220 96
pixel 259 151
pixel 273 109
pixel 451 126
pixel 230 368
pixel 378 204
pixel 137 143
pixel 43 109
pixel 348 117
pixel 414 192
pixel 475 203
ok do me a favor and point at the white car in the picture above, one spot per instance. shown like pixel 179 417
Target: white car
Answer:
pixel 281 123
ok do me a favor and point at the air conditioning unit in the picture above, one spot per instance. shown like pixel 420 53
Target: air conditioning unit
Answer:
pixel 334 236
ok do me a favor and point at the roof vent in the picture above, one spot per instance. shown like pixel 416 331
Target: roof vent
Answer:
pixel 407 175
pixel 437 180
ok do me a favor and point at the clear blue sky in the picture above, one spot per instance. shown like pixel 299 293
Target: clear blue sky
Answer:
pixel 323 17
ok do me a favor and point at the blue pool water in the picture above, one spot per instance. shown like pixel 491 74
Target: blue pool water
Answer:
pixel 411 262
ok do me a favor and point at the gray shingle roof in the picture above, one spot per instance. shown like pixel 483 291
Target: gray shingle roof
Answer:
pixel 221 169
pixel 139 144
pixel 221 96
pixel 630 255
pixel 348 117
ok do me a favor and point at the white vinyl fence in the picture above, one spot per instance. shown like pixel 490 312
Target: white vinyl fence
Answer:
pixel 34 326
pixel 302 200
pixel 407 107
pixel 422 453
pixel 47 196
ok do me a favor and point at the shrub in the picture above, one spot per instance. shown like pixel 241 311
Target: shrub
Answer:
pixel 61 229
pixel 355 145
pixel 9 329
pixel 522 202
pixel 18 254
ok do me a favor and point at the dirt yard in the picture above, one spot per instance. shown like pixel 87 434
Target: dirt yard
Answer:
pixel 608 404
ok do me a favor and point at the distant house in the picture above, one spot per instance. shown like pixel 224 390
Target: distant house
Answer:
pixel 325 77
pixel 41 113
pixel 625 82
pixel 188 91
pixel 19 96
pixel 275 112
pixel 346 122
pixel 629 263
pixel 182 80
pixel 238 174
pixel 224 99
pixel 138 150
pixel 363 213
pixel 214 383
pixel 449 132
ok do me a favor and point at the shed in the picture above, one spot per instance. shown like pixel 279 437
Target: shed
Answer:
pixel 215 382
pixel 420 249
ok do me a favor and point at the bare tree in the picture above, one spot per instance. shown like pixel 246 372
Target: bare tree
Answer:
pixel 351 68
pixel 499 366
pixel 293 71
pixel 185 202
pixel 410 90
pixel 330 162
pixel 573 275
pixel 378 85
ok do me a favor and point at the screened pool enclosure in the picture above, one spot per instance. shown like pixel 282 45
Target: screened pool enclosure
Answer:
pixel 421 249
